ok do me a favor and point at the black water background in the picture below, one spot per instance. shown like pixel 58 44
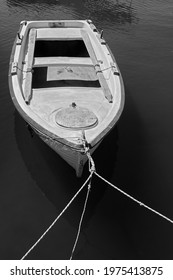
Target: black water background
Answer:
pixel 35 184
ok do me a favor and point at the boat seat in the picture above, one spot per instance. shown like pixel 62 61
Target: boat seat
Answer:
pixel 60 33
pixel 46 61
pixel 71 73
pixel 75 117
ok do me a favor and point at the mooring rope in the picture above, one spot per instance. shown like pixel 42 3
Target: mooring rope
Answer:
pixel 81 219
pixel 92 168
pixel 134 199
pixel 57 218
pixel 92 171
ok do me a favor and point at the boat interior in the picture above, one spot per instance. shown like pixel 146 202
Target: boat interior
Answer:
pixel 60 80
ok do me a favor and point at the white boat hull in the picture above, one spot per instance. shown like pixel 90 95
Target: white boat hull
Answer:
pixel 66 84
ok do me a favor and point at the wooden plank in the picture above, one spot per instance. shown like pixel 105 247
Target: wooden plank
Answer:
pixel 31 47
pixel 100 75
pixel 45 61
pixel 27 87
pixel 58 33
pixel 62 72
pixel 29 64
pixel 89 46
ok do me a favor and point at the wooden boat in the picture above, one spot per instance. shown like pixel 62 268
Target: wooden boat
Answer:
pixel 65 83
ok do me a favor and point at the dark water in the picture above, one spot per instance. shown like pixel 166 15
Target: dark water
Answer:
pixel 35 184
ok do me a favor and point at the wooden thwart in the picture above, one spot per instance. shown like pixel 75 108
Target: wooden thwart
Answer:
pixel 100 75
pixel 60 33
pixel 45 61
pixel 71 73
pixel 29 63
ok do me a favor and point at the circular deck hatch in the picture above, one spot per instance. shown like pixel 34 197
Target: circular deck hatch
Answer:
pixel 75 117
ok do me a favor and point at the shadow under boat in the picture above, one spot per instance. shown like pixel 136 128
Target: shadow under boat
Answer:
pixel 57 180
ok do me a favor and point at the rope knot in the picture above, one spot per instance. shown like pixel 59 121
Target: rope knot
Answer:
pixel 92 168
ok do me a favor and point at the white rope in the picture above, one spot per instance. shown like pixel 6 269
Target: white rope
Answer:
pixel 81 219
pixel 52 224
pixel 92 170
pixel 104 69
pixel 134 199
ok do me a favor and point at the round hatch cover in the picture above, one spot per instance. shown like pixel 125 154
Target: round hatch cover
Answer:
pixel 75 117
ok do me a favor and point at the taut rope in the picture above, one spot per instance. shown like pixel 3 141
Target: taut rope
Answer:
pixel 92 170
pixel 81 219
pixel 134 199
